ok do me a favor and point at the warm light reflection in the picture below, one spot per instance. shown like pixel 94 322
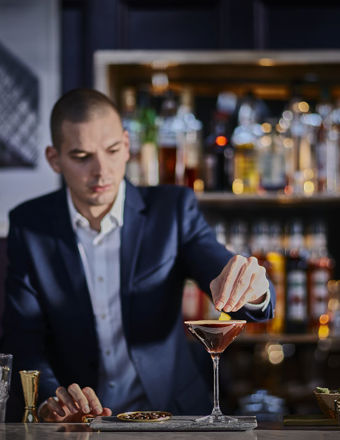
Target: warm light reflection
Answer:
pixel 221 141
pixel 275 353
pixel 288 142
pixel 198 185
pixel 238 186
pixel 308 187
pixel 266 62
pixel 324 319
pixel 303 107
pixel 266 141
pixel 266 127
pixel 323 331
pixel 160 82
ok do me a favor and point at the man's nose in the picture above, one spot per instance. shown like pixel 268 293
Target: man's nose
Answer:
pixel 99 165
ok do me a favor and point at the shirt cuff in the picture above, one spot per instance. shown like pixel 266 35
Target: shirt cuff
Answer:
pixel 262 306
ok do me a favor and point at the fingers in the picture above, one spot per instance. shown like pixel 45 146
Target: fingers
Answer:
pixel 242 284
pixel 228 278
pixel 93 400
pixel 66 398
pixel 242 280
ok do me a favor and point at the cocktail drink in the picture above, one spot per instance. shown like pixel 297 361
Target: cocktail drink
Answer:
pixel 216 336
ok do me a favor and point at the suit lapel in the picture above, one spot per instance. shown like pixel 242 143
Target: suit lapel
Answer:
pixel 131 236
pixel 68 248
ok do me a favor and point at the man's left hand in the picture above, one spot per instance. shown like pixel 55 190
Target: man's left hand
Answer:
pixel 241 281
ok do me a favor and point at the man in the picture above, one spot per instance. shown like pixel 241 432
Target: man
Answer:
pixel 96 273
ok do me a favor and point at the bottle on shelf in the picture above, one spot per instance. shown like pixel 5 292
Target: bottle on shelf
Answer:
pixel 244 140
pixel 271 165
pixel 237 241
pixel 334 307
pixel 275 256
pixel 259 249
pixel 324 109
pixel 189 153
pixel 320 271
pixel 132 125
pixel 219 154
pixel 296 280
pixel 149 149
pixel 169 127
pixel 332 150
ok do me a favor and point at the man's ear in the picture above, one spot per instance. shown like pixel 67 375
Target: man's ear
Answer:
pixel 52 156
pixel 126 143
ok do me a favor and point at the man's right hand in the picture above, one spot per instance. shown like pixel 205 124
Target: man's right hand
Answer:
pixel 71 404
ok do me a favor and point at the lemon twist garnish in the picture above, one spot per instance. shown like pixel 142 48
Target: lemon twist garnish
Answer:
pixel 224 317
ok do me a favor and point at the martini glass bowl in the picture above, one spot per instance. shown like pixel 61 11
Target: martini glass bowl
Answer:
pixel 216 335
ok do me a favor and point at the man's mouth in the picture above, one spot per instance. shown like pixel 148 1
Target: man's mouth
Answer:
pixel 100 188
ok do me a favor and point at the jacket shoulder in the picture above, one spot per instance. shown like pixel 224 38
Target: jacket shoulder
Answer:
pixel 36 208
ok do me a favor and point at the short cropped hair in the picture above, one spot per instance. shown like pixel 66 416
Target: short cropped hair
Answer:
pixel 77 105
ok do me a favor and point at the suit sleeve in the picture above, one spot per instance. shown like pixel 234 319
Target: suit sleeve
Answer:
pixel 24 327
pixel 204 258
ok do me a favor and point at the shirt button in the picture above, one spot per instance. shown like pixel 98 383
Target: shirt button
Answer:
pixel 103 316
pixel 100 279
pixel 111 384
pixel 108 352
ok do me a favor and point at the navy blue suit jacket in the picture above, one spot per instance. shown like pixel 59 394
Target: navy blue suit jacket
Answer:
pixel 48 322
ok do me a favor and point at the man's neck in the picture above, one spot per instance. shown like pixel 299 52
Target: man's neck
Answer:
pixel 94 214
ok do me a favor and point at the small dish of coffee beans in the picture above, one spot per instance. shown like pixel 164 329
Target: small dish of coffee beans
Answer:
pixel 144 416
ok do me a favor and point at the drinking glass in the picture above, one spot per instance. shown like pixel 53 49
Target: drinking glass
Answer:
pixel 216 336
pixel 5 381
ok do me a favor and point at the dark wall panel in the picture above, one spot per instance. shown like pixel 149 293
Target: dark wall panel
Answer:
pixel 302 27
pixel 173 29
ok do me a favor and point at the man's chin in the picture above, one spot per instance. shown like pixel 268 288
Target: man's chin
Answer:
pixel 102 199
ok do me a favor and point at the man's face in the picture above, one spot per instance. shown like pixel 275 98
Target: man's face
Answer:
pixel 92 159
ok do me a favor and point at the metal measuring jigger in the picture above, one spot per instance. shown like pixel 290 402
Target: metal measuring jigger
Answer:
pixel 30 381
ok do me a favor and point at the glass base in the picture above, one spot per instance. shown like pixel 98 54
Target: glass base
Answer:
pixel 218 419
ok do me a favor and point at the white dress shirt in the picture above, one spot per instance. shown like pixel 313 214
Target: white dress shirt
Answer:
pixel 119 386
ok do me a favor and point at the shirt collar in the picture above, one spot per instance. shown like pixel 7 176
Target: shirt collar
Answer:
pixel 115 217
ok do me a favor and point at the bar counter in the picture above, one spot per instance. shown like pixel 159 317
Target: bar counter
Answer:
pixel 78 431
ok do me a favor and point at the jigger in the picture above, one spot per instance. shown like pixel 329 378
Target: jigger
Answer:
pixel 30 381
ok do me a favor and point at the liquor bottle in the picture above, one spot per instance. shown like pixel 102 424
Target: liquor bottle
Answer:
pixel 302 134
pixel 189 153
pixel 296 280
pixel 332 157
pixel 275 256
pixel 238 238
pixel 244 140
pixel 221 233
pixel 259 249
pixel 272 166
pixel 219 154
pixel 168 130
pixel 149 149
pixel 324 109
pixel 320 271
pixel 132 125
pixel 334 307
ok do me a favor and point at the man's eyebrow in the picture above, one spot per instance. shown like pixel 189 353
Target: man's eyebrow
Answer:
pixel 114 144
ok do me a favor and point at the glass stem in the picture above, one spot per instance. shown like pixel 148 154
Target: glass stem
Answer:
pixel 216 410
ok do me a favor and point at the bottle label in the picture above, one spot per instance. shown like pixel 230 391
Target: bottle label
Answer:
pixel 296 296
pixel 319 292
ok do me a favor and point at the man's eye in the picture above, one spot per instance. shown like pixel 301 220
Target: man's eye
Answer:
pixel 113 150
pixel 81 157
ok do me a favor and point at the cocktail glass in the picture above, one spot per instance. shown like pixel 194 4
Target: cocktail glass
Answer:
pixel 216 336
